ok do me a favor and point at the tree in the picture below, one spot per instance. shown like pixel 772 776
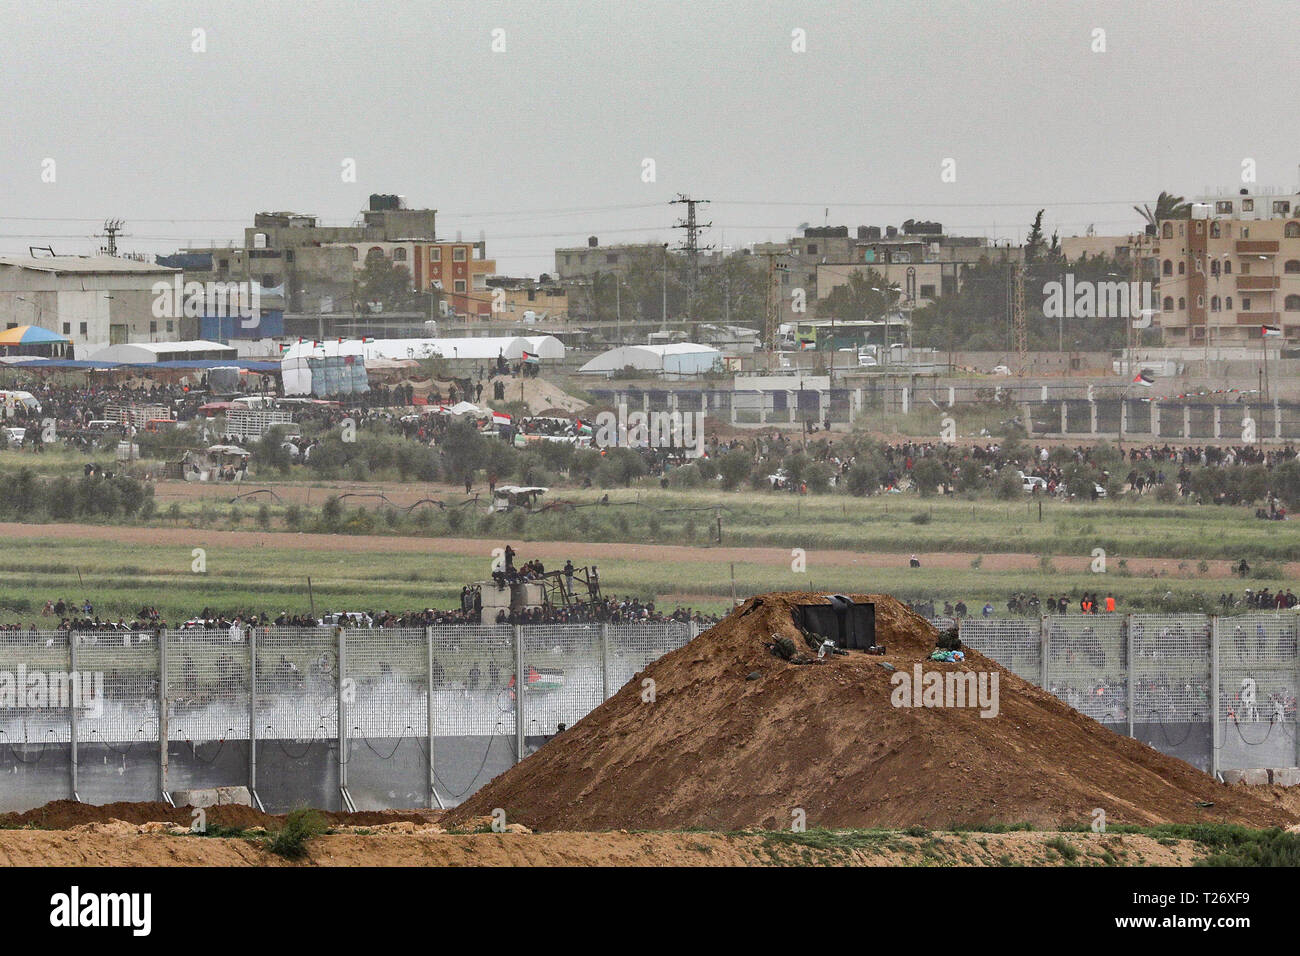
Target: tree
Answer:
pixel 1034 244
pixel 1168 206
pixel 384 282
pixel 866 295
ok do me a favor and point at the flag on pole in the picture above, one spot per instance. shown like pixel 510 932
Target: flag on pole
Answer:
pixel 501 418
pixel 532 359
pixel 1145 379
pixel 1270 331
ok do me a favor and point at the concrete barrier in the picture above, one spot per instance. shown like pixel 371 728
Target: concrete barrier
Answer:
pixel 1282 776
pixel 213 796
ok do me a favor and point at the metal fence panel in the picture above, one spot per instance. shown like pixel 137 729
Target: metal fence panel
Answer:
pixel 1257 690
pixel 387 693
pixel 633 647
pixel 1087 665
pixel 117 748
pixel 1014 643
pixel 35 739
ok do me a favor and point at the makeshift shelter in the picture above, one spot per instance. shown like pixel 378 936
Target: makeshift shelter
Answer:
pixel 32 340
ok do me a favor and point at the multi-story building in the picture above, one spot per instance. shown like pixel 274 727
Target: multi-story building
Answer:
pixel 528 299
pixel 1230 269
pixel 582 262
pixel 459 270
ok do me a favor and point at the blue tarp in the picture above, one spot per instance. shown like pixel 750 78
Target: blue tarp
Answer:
pixel 223 328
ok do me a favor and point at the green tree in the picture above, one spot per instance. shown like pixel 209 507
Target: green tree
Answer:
pixel 384 282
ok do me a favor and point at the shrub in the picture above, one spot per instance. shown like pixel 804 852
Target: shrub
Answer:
pixel 290 841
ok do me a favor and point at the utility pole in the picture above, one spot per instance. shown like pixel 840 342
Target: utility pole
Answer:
pixel 772 310
pixel 1018 317
pixel 691 246
pixel 112 227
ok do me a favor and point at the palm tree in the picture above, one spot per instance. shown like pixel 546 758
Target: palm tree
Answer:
pixel 1168 206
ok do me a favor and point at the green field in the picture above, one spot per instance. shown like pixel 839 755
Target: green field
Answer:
pixel 272 575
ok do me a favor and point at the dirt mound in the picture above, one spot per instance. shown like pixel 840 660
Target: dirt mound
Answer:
pixel 65 814
pixel 736 737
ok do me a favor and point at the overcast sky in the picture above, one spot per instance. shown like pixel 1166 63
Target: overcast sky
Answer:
pixel 187 145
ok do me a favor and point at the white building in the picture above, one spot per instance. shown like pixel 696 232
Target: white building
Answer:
pixel 95 301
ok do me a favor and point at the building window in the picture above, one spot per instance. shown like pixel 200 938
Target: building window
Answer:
pixel 83 328
pixel 1223 206
pixel 1214 303
pixel 812 249
pixel 1169 303
pixel 1292 230
pixel 153 328
pixel 1245 303
pixel 1200 228
pixel 171 325
pixel 1227 267
pixel 399 255
pixel 459 285
pixel 1248 205
pixel 1214 267
pixel 611 258
pixel 355 255
pixel 459 254
pixel 567 259
pixel 67 328
pixel 927 292
pixel 225 265
pixel 1182 267
pixel 1214 230
pixel 435 254
pixel 1282 207
pixel 480 281
pixel 1167 231
pixel 1200 301
pixel 1292 265
pixel 1227 303
pixel 1168 268
pixel 1292 303
pixel 1182 303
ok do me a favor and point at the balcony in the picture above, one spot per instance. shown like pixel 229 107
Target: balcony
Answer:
pixel 1257 318
pixel 1256 247
pixel 1258 283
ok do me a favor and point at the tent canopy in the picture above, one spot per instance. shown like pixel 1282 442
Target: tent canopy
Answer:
pixel 679 358
pixel 31 335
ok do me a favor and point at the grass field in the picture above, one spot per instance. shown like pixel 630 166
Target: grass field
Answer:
pixel 973 550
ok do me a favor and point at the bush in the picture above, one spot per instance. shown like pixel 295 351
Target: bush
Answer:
pixel 290 841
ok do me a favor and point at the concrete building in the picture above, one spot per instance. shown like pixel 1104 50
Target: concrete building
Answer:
pixel 582 262
pixel 95 301
pixel 523 300
pixel 1229 270
pixel 459 270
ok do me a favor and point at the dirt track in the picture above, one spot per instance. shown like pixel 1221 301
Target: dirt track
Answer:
pixel 123 844
pixel 550 551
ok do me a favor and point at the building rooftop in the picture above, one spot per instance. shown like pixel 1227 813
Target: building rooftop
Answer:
pixel 86 265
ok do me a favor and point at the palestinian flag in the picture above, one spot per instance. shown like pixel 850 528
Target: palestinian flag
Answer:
pixel 531 359
pixel 807 344
pixel 1145 379
pixel 1270 331
pixel 501 418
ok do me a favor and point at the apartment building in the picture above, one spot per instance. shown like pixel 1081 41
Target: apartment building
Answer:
pixel 1230 269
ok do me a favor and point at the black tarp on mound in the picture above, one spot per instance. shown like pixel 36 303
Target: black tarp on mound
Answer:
pixel 849 624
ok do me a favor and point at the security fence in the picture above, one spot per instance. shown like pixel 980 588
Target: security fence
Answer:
pixel 330 717
pixel 375 718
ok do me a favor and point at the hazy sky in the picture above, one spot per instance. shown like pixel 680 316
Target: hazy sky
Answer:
pixel 187 145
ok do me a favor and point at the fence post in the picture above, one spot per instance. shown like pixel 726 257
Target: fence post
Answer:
pixel 428 679
pixel 1295 635
pixel 521 680
pixel 72 712
pixel 1044 650
pixel 343 718
pixel 1130 669
pixel 161 636
pixel 1214 696
pixel 252 711
pixel 604 662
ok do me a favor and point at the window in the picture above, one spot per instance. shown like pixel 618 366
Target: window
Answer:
pixel 1200 301
pixel 1292 230
pixel 399 255
pixel 153 328
pixel 1245 268
pixel 171 325
pixel 567 258
pixel 1227 267
pixel 480 281
pixel 1169 303
pixel 901 257
pixel 1214 230
pixel 1199 227
pixel 1248 205
pixel 1227 303
pixel 67 328
pixel 1167 231
pixel 83 328
pixel 1182 303
pixel 1282 207
pixel 1182 267
pixel 1214 303
pixel 435 255
pixel 460 285
pixel 1245 303
pixel 355 255
pixel 1214 267
pixel 927 292
pixel 224 265
pixel 1292 265
pixel 812 249
pixel 611 258
pixel 1223 205
pixel 1292 303
pixel 1168 268
pixel 459 254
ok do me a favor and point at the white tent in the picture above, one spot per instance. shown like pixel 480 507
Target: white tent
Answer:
pixel 672 359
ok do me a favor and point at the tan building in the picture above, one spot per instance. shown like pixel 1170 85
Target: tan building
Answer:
pixel 459 269
pixel 1231 269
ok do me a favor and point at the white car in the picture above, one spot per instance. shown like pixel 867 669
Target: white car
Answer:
pixel 1001 370
pixel 13 436
pixel 1033 483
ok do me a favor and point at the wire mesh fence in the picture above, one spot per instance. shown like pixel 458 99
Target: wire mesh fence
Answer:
pixel 373 718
